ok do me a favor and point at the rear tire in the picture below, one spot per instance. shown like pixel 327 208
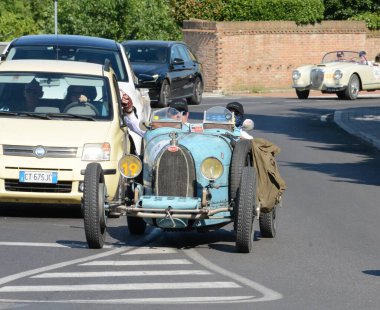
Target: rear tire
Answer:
pixel 164 94
pixel 302 94
pixel 94 198
pixel 268 226
pixel 196 98
pixel 136 225
pixel 246 205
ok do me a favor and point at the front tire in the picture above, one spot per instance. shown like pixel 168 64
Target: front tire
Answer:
pixel 353 88
pixel 164 94
pixel 246 206
pixel 303 94
pixel 94 198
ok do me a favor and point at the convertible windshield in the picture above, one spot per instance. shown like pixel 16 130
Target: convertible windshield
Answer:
pixel 29 94
pixel 341 56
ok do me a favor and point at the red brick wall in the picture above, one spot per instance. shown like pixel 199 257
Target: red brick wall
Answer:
pixel 254 56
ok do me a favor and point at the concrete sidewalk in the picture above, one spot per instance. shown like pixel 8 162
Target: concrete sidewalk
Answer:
pixel 361 122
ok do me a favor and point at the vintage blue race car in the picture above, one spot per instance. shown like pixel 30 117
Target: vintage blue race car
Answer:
pixel 192 177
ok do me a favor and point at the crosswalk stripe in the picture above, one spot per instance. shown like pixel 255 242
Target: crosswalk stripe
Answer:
pixel 157 300
pixel 122 273
pixel 151 250
pixel 118 287
pixel 138 262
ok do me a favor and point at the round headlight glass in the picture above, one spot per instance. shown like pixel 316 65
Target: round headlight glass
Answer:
pixel 130 166
pixel 212 168
pixel 296 75
pixel 338 75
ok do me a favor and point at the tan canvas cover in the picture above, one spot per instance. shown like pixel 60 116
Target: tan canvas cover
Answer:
pixel 270 183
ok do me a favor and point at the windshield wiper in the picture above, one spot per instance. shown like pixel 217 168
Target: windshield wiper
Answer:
pixel 68 115
pixel 41 116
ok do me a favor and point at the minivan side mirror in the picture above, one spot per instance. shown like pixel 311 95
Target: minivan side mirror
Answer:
pixel 2 57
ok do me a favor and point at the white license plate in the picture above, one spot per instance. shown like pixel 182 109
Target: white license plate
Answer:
pixel 38 177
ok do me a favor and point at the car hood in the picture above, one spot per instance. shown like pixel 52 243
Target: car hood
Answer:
pixel 150 69
pixel 335 65
pixel 33 132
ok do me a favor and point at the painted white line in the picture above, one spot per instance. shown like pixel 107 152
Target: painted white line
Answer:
pixel 151 250
pixel 138 262
pixel 57 245
pixel 102 274
pixel 163 300
pixel 268 294
pixel 118 287
pixel 146 239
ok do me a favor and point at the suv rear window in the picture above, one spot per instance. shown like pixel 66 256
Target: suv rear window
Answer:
pixel 93 55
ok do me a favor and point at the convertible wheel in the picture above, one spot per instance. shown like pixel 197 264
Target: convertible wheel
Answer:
pixel 245 210
pixel 353 87
pixel 302 94
pixel 196 98
pixel 164 94
pixel 94 197
pixel 341 94
pixel 241 157
pixel 136 225
pixel 268 224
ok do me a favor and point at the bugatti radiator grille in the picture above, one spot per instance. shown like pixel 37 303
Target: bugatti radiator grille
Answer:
pixel 175 174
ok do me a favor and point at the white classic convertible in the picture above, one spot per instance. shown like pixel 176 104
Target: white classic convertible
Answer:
pixel 344 73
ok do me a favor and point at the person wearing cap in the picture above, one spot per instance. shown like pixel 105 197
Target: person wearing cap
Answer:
pixel 181 106
pixel 363 58
pixel 340 55
pixel 32 94
pixel 238 110
pixel 130 115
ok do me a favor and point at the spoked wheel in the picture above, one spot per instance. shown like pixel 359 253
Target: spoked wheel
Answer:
pixel 136 225
pixel 268 226
pixel 245 207
pixel 353 88
pixel 164 94
pixel 94 198
pixel 302 94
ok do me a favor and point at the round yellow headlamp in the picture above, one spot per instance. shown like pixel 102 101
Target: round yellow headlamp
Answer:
pixel 212 168
pixel 130 166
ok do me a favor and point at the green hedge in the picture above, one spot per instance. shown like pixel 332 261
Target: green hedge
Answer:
pixel 300 11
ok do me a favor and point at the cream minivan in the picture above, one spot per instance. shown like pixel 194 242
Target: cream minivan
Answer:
pixel 46 143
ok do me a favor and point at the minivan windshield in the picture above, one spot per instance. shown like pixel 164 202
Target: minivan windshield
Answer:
pixel 60 95
pixel 71 53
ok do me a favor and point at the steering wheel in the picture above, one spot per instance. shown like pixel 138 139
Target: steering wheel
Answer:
pixel 81 104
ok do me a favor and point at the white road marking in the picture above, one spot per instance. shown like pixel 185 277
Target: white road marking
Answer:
pixel 163 300
pixel 147 238
pixel 151 250
pixel 118 287
pixel 57 245
pixel 138 262
pixel 268 294
pixel 102 274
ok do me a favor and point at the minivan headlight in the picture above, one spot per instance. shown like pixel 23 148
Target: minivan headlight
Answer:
pixel 130 166
pixel 212 168
pixel 96 151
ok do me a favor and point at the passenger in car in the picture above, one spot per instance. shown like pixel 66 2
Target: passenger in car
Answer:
pixel 32 94
pixel 363 58
pixel 130 115
pixel 75 94
pixel 238 110
pixel 181 106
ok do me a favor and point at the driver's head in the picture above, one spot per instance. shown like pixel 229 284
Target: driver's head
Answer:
pixel 340 54
pixel 181 106
pixel 238 110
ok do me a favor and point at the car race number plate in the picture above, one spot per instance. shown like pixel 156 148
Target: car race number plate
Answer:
pixel 38 177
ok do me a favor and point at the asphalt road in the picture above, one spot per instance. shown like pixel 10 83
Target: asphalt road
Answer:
pixel 325 256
